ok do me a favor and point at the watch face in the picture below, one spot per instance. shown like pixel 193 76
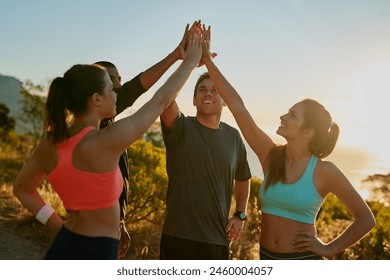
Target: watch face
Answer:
pixel 240 215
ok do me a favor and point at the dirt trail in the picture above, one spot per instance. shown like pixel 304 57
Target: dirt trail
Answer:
pixel 15 247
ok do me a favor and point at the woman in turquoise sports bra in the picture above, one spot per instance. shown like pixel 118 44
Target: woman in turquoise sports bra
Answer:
pixel 297 179
pixel 81 161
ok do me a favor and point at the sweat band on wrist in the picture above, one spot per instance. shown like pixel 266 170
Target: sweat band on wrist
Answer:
pixel 44 214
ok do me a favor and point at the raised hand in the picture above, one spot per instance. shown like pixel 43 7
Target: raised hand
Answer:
pixel 193 45
pixel 183 43
pixel 207 55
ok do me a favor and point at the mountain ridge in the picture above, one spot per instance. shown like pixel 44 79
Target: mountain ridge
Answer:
pixel 10 95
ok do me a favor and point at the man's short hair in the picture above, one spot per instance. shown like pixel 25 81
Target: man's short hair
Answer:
pixel 106 64
pixel 202 77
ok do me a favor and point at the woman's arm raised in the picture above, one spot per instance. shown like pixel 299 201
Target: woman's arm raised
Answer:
pixel 258 140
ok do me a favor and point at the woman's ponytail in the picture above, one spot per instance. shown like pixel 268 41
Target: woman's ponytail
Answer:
pixel 333 135
pixel 56 111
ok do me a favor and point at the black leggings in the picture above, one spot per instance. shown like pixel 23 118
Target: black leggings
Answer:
pixel 174 248
pixel 266 254
pixel 72 246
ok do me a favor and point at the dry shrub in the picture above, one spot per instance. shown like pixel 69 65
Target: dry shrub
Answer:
pixel 145 240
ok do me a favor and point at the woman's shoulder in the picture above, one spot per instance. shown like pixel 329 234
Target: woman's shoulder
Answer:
pixel 325 166
pixel 91 137
pixel 328 175
pixel 45 153
pixel 327 170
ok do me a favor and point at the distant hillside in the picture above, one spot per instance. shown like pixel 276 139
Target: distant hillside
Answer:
pixel 9 95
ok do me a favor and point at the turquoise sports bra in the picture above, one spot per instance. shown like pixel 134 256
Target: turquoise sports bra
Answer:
pixel 299 201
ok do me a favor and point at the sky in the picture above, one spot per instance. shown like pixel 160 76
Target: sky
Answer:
pixel 275 53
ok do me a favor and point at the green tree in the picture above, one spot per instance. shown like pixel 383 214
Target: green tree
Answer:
pixel 379 186
pixel 154 135
pixel 377 246
pixel 33 109
pixel 148 182
pixel 7 123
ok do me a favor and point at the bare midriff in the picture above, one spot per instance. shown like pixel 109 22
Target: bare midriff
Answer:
pixel 277 233
pixel 95 223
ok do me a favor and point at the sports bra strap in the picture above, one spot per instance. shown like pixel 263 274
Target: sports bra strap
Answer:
pixel 66 148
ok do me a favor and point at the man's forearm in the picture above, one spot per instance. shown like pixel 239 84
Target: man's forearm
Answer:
pixel 150 76
pixel 241 195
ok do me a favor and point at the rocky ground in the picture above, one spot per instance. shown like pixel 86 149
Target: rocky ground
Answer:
pixel 15 247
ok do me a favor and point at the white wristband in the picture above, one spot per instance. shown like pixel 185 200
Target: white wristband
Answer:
pixel 44 214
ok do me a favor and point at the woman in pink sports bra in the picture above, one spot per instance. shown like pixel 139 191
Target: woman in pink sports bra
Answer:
pixel 288 229
pixel 81 161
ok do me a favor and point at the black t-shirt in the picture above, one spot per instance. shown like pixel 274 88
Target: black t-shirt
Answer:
pixel 202 164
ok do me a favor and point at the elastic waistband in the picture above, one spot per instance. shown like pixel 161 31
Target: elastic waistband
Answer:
pixel 266 254
pixel 66 232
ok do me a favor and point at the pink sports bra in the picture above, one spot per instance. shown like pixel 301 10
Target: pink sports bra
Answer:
pixel 81 190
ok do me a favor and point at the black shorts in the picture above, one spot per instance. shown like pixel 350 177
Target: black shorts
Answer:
pixel 266 254
pixel 72 246
pixel 174 248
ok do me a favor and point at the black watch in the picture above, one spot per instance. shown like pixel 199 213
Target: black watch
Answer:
pixel 240 215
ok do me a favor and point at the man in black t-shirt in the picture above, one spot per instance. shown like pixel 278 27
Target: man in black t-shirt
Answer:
pixel 206 159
